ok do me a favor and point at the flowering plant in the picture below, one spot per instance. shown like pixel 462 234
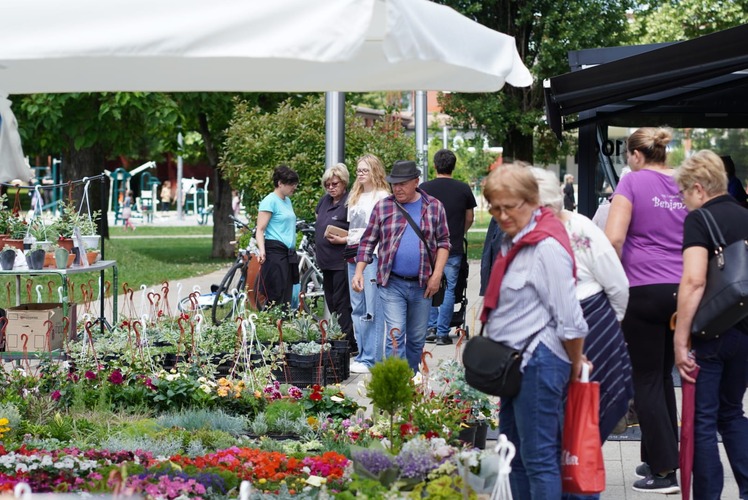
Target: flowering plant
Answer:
pixel 329 400
pixel 451 374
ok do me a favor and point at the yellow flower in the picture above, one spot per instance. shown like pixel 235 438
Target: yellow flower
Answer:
pixel 312 421
pixel 222 391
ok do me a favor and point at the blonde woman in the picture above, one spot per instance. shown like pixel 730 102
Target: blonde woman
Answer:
pixel 645 226
pixel 720 386
pixel 368 323
pixel 331 211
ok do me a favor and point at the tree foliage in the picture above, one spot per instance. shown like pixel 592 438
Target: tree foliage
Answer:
pixel 257 142
pixel 678 20
pixel 545 31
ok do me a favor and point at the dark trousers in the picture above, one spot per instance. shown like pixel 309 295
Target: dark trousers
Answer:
pixel 277 274
pixel 335 284
pixel 720 387
pixel 646 328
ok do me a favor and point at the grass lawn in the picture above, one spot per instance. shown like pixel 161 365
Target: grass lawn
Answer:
pixel 144 261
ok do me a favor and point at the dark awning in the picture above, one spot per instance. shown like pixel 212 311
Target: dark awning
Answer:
pixel 696 83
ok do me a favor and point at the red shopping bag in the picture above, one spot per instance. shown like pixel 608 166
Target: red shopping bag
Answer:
pixel 582 465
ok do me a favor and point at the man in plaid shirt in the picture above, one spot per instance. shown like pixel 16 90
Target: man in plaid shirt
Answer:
pixel 405 275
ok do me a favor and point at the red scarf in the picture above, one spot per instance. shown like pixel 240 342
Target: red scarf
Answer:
pixel 548 226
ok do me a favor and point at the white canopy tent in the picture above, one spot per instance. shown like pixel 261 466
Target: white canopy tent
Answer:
pixel 239 45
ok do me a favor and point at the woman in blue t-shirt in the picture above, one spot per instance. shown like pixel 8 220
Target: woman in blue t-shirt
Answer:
pixel 276 239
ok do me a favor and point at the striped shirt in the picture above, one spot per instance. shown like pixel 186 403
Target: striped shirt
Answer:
pixel 537 295
pixel 387 226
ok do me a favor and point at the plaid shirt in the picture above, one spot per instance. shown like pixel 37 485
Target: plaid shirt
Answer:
pixel 387 225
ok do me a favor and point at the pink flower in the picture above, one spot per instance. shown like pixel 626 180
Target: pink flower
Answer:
pixel 90 375
pixel 56 395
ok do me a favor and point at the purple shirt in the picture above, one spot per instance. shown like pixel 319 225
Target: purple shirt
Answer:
pixel 652 250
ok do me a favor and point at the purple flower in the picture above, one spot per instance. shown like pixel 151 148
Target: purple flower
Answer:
pixel 415 465
pixel 295 393
pixel 56 395
pixel 373 461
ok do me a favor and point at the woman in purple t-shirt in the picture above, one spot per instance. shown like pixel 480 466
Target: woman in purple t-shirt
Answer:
pixel 645 225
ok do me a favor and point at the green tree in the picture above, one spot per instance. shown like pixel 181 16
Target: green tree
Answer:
pixel 545 31
pixel 677 20
pixel 89 128
pixel 257 142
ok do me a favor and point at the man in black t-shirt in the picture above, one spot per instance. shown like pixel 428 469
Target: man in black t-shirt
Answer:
pixel 459 202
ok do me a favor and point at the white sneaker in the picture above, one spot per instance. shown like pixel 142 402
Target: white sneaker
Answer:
pixel 357 367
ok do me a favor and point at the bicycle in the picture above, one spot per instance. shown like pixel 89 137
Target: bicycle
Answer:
pixel 311 281
pixel 232 294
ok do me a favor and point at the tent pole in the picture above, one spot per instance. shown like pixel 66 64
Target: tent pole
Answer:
pixel 422 134
pixel 334 128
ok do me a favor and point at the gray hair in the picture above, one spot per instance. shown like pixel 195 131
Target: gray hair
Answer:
pixel 551 195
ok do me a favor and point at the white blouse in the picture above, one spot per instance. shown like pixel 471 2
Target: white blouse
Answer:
pixel 598 266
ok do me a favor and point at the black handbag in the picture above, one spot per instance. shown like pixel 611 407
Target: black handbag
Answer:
pixel 350 252
pixel 493 368
pixel 438 297
pixel 725 300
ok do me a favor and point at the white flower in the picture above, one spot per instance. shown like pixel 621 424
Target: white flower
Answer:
pixel 336 399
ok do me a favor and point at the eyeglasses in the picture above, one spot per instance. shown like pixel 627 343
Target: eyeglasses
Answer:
pixel 332 185
pixel 499 209
pixel 362 171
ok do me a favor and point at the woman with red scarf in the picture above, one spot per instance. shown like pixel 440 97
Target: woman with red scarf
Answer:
pixel 530 303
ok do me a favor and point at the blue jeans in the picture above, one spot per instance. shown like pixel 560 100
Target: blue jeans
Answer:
pixel 368 324
pixel 406 309
pixel 440 317
pixel 720 387
pixel 533 422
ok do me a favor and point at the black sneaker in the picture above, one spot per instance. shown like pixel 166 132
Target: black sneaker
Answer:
pixel 643 471
pixel 655 484
pixel 443 341
pixel 431 335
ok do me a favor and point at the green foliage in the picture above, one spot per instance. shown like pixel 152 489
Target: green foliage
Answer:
pixel 391 387
pixel 544 34
pixel 282 409
pixel 677 20
pixel 193 420
pixel 257 142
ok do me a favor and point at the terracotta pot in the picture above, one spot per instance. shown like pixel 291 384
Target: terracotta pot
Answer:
pixel 66 243
pixel 15 243
pixel 92 257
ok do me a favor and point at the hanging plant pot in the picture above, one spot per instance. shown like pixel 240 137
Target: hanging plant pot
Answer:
pixel 91 242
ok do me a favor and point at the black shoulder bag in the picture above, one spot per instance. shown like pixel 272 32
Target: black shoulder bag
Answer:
pixel 493 368
pixel 725 300
pixel 438 297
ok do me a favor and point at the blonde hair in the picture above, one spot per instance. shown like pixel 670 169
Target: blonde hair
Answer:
pixel 551 194
pixel 376 174
pixel 515 178
pixel 651 142
pixel 706 168
pixel 338 170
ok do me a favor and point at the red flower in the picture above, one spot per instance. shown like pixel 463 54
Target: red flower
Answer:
pixel 407 429
pixel 431 434
pixel 315 396
pixel 90 375
pixel 56 395
pixel 116 377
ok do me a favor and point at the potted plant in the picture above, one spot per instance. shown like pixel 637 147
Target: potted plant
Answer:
pixel 61 257
pixel 88 227
pixel 7 257
pixel 17 229
pixel 64 226
pixel 35 257
pixel 42 235
pixel 479 408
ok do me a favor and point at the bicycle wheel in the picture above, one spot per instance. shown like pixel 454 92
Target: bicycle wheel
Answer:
pixel 232 284
pixel 314 295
